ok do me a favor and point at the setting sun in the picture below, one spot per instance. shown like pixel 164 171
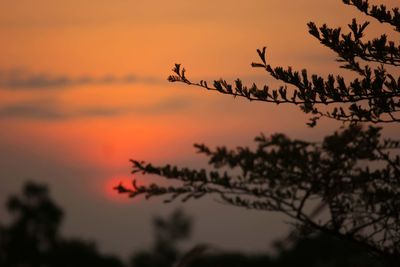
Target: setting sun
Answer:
pixel 112 194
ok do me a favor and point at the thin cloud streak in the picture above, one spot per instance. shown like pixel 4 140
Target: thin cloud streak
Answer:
pixel 21 80
pixel 51 111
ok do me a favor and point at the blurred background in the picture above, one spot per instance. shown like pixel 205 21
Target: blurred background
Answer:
pixel 83 89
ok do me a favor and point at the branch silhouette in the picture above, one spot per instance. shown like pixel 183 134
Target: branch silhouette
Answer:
pixel 348 185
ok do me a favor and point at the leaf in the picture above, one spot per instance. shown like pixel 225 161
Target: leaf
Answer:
pixel 257 65
pixel 261 54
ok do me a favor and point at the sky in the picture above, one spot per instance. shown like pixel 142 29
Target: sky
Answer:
pixel 83 89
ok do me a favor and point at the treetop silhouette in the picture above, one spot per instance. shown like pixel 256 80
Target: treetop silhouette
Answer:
pixel 33 237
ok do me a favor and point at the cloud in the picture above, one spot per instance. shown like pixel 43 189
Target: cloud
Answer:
pixel 48 109
pixel 45 111
pixel 30 111
pixel 21 80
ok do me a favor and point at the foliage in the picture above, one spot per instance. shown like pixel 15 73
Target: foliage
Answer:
pixel 315 251
pixel 168 233
pixel 33 238
pixel 26 242
pixel 301 179
pixel 373 97
pixel 347 186
pixel 318 251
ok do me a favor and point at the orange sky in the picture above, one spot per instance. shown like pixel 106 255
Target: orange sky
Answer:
pixel 83 89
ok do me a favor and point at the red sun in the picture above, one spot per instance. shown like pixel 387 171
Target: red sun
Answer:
pixel 112 194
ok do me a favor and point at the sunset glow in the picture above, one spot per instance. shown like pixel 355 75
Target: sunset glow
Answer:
pixel 112 194
pixel 83 89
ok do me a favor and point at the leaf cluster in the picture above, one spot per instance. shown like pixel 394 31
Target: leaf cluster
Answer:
pixel 301 179
pixel 374 96
pixel 348 185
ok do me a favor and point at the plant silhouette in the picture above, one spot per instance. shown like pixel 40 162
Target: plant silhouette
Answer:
pixel 346 186
pixel 33 239
pixel 372 97
pixel 168 233
pixel 313 251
